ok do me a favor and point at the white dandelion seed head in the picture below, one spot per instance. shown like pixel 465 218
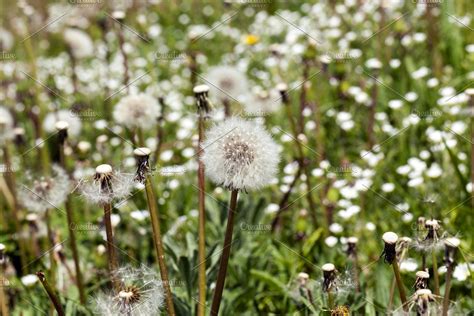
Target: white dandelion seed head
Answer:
pixel 73 121
pixel 141 294
pixel 80 43
pixel 226 82
pixel 40 193
pixel 6 125
pixel 137 110
pixel 240 154
pixel 106 185
pixel 262 103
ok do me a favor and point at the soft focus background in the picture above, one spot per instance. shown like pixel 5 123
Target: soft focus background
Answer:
pixel 378 93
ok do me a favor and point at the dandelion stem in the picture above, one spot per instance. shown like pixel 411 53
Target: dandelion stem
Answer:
pixel 11 184
pixel 301 160
pixel 51 293
pixel 72 234
pixel 401 289
pixel 449 274
pixel 226 107
pixel 202 225
pixel 330 299
pixel 435 273
pixel 3 297
pixel 216 301
pixel 111 253
pixel 150 195
pixel 52 246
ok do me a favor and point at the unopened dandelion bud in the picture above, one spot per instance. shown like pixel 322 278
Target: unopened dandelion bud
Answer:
pixel 62 127
pixel 390 239
pixel 329 276
pixel 422 299
pixel 283 89
pixel 303 278
pixel 451 247
pixel 433 226
pixel 421 281
pixel 201 93
pixel 352 247
pixel 142 155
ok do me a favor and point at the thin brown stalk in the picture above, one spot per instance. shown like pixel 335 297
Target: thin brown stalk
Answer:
pixel 72 234
pixel 401 289
pixel 11 184
pixel 3 297
pixel 435 273
pixel 155 223
pixel 121 38
pixel 160 134
pixel 51 293
pixel 227 111
pixel 371 119
pixel 52 247
pixel 202 225
pixel 111 252
pixel 301 159
pixel 449 275
pixel 216 301
pixel 283 205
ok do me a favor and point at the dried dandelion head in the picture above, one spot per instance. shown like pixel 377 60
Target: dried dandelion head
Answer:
pixel 422 300
pixel 303 278
pixel 40 193
pixel 142 156
pixel 329 277
pixel 422 278
pixel 351 250
pixel 433 240
pixel 106 185
pixel 203 103
pixel 141 294
pixel 240 155
pixel 451 247
pixel 74 123
pixel 389 252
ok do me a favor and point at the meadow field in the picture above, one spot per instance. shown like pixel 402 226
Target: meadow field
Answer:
pixel 236 157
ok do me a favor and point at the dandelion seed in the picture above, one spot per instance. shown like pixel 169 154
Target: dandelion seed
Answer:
pixel 39 194
pixel 421 281
pixel 226 82
pixel 79 42
pixel 73 121
pixel 240 155
pixel 137 111
pixel 140 294
pixel 107 185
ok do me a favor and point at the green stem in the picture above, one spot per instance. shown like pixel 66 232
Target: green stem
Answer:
pixel 401 289
pixel 202 226
pixel 155 224
pixel 435 273
pixel 72 234
pixel 51 293
pixel 216 301
pixel 330 299
pixel 111 253
pixel 449 274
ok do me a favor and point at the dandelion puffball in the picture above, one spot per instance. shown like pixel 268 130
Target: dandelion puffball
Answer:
pixel 73 121
pixel 140 110
pixel 226 82
pixel 240 155
pixel 79 42
pixel 6 124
